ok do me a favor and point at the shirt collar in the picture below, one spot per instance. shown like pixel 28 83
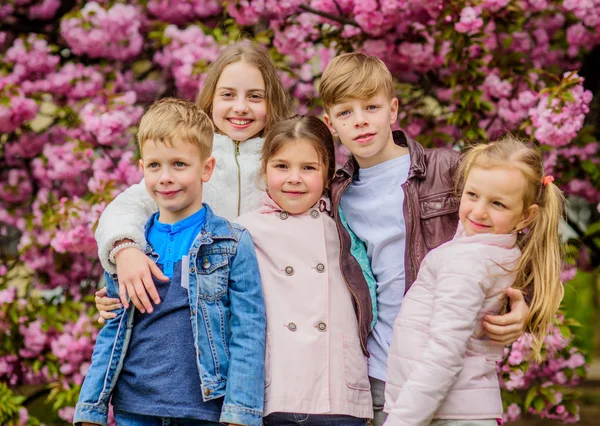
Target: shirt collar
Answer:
pixel 188 222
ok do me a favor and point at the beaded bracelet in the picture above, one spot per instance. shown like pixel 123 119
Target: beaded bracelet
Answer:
pixel 115 250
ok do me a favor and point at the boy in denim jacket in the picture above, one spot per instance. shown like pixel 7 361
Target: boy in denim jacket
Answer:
pixel 199 357
pixel 395 197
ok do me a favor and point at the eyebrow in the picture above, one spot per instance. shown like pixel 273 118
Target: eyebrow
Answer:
pixel 234 90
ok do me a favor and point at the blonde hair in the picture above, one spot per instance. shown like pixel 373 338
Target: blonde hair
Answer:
pixel 311 129
pixel 279 105
pixel 169 118
pixel 538 269
pixel 354 76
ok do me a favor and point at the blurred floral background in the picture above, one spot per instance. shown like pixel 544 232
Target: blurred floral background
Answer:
pixel 76 76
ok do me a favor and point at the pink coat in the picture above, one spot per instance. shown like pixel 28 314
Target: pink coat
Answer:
pixel 314 361
pixel 441 365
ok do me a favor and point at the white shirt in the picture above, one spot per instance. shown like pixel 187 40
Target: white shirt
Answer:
pixel 373 206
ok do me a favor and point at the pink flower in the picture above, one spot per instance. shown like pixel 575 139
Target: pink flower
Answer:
pixel 470 22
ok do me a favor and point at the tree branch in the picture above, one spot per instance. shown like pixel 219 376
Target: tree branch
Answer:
pixel 336 18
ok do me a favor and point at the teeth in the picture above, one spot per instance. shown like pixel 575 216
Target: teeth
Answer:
pixel 240 122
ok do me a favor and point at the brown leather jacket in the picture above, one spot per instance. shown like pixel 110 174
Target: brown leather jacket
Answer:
pixel 430 213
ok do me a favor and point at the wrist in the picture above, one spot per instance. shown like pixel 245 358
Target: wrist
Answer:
pixel 122 244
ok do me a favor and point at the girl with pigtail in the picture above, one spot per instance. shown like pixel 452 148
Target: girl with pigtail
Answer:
pixel 441 366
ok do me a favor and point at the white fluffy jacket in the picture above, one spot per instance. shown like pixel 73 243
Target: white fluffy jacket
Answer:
pixel 231 181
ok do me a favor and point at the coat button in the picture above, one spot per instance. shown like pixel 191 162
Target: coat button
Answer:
pixel 289 270
pixel 322 326
pixel 283 215
pixel 320 267
pixel 206 264
pixel 207 392
pixel 292 327
pixel 192 269
pixel 314 214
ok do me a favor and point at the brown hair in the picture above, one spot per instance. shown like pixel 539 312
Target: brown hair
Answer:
pixel 354 76
pixel 293 129
pixel 538 269
pixel 171 118
pixel 279 105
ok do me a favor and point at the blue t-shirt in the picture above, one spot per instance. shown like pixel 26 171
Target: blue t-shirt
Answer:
pixel 160 375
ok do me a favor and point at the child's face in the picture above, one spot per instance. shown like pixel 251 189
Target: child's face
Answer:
pixel 492 201
pixel 295 176
pixel 174 177
pixel 364 127
pixel 239 107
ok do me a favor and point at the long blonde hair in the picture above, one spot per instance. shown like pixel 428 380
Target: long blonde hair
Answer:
pixel 538 270
pixel 279 105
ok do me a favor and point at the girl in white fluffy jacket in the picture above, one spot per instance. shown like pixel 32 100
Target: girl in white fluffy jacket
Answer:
pixel 244 96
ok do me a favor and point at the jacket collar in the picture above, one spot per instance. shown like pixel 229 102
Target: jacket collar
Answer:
pixel 268 205
pixel 500 240
pixel 222 141
pixel 416 152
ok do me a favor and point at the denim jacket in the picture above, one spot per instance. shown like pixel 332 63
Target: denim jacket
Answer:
pixel 228 322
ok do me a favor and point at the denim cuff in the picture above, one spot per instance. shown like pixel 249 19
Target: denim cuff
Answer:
pixel 90 413
pixel 240 415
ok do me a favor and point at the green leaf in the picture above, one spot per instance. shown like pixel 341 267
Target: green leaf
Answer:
pixel 531 394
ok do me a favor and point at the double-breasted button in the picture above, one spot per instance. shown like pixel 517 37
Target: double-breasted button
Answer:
pixel 207 392
pixel 192 269
pixel 206 264
pixel 284 215
pixel 314 214
pixel 321 326
pixel 320 267
pixel 289 270
pixel 292 327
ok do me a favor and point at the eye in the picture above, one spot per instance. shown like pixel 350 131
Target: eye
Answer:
pixel 179 164
pixel 153 165
pixel 280 166
pixel 227 95
pixel 471 194
pixel 343 113
pixel 372 107
pixel 310 168
pixel 499 204
pixel 256 97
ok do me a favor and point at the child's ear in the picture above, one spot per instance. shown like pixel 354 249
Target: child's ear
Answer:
pixel 141 162
pixel 327 120
pixel 394 111
pixel 209 168
pixel 529 216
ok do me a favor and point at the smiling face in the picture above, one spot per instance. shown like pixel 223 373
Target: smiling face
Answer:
pixel 364 127
pixel 295 176
pixel 492 201
pixel 239 109
pixel 174 175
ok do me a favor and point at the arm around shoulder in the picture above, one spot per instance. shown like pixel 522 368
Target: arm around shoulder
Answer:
pixel 124 218
pixel 244 397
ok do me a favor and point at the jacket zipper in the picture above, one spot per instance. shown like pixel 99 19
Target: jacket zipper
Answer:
pixel 239 177
pixel 360 334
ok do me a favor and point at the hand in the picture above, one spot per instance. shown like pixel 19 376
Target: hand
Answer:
pixel 505 329
pixel 105 304
pixel 89 424
pixel 135 271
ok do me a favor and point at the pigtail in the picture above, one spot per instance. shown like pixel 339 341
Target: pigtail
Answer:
pixel 538 270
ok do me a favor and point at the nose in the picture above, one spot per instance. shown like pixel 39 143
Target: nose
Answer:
pixel 479 210
pixel 165 176
pixel 240 106
pixel 294 176
pixel 360 118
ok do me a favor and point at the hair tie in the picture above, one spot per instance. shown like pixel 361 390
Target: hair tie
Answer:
pixel 547 179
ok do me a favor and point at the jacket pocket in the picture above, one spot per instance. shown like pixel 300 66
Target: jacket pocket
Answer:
pixel 439 218
pixel 355 365
pixel 268 360
pixel 212 273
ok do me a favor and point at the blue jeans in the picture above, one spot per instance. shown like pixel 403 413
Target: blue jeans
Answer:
pixel 292 419
pixel 130 419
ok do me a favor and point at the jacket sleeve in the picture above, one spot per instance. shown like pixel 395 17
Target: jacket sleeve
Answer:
pixel 459 294
pixel 244 396
pixel 101 377
pixel 124 217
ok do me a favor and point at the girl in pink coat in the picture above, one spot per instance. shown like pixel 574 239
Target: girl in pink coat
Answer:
pixel 315 369
pixel 441 366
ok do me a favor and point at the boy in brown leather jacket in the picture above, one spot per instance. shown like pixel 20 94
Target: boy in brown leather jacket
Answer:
pixel 396 197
